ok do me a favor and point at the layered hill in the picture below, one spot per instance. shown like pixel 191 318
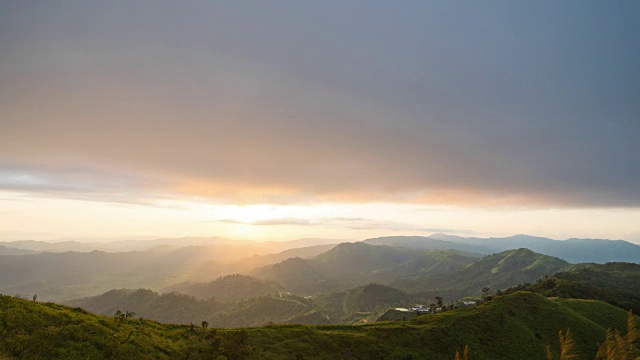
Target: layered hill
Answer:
pixel 230 288
pixel 452 274
pixel 517 326
pixel 497 271
pixel 571 250
pixel 353 264
pixel 69 275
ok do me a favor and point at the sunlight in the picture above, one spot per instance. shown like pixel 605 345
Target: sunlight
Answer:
pixel 249 213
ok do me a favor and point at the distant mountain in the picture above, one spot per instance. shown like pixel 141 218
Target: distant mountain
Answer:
pixel 5 250
pixel 60 276
pixel 69 275
pixel 452 274
pixel 497 271
pixel 353 264
pixel 230 288
pixel 429 243
pixel 34 246
pixel 298 275
pixel 571 250
pixel 253 247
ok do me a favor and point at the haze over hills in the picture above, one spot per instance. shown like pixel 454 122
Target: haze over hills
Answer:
pixel 415 261
pixel 497 271
pixel 69 275
pixel 571 250
pixel 230 288
pixel 350 264
pixel 147 244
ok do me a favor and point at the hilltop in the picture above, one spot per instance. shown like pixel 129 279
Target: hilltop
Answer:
pixel 615 283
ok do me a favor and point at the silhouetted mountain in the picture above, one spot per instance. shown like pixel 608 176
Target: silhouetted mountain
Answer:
pixel 428 243
pixel 5 250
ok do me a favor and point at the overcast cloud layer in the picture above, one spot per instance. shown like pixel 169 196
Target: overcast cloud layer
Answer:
pixel 448 102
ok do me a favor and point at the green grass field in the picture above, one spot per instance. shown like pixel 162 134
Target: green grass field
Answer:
pixel 517 326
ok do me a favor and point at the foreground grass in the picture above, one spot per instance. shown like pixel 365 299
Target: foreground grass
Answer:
pixel 517 326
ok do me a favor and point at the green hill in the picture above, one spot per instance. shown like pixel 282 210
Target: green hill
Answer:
pixel 615 283
pixel 354 264
pixel 495 271
pixel 360 303
pixel 184 309
pixel 230 288
pixel 517 326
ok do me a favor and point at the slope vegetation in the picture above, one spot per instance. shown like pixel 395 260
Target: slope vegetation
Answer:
pixel 517 326
pixel 615 283
pixel 230 288
pixel 354 264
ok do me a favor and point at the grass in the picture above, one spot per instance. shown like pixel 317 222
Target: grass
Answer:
pixel 517 326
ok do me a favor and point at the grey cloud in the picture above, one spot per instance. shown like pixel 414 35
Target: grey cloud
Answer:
pixel 504 103
pixel 80 183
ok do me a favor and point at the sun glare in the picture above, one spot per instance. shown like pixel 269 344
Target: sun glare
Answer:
pixel 249 213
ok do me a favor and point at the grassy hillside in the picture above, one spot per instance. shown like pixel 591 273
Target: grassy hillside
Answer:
pixel 184 309
pixel 517 326
pixel 615 283
pixel 361 303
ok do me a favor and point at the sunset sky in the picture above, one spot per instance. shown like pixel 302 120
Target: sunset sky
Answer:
pixel 276 120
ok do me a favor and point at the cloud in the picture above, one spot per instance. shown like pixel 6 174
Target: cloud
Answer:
pixel 304 105
pixel 80 183
pixel 354 223
pixel 268 222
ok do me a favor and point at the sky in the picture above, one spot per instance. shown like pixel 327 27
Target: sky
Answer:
pixel 275 120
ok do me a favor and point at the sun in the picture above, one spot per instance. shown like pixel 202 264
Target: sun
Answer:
pixel 249 213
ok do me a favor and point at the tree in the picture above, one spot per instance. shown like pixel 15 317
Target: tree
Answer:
pixel 205 325
pixel 485 293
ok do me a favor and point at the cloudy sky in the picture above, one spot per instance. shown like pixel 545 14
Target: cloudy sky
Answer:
pixel 345 119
